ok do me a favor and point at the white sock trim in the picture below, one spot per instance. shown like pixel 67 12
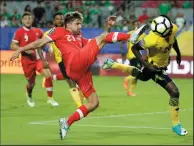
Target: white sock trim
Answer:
pixel 80 113
pixel 55 77
pixel 114 37
pixel 49 89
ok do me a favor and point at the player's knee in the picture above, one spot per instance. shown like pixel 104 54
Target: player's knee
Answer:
pixel 32 85
pixel 136 72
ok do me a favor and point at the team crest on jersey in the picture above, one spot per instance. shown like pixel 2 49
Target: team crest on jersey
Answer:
pixel 51 31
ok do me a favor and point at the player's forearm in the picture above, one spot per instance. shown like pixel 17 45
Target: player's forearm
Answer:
pixel 176 47
pixel 34 45
pixel 135 49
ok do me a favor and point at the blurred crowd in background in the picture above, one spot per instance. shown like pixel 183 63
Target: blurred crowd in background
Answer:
pixel 96 12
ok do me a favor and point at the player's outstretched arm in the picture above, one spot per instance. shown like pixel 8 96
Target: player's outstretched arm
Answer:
pixel 176 48
pixel 36 44
pixel 136 51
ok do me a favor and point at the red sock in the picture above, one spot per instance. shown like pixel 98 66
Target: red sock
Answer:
pixel 114 37
pixel 58 76
pixel 49 86
pixel 81 112
pixel 29 90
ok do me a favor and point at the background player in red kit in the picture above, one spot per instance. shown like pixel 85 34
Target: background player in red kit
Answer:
pixel 78 55
pixel 30 59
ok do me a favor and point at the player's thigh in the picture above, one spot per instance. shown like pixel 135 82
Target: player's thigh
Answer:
pixel 162 79
pixel 136 63
pixel 39 66
pixel 89 53
pixel 145 74
pixel 30 72
pixel 86 84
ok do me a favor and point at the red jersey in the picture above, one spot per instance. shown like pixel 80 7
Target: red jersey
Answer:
pixel 24 36
pixel 39 35
pixel 67 42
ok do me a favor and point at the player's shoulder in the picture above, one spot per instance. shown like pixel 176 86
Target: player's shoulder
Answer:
pixel 151 38
pixel 19 30
pixel 56 30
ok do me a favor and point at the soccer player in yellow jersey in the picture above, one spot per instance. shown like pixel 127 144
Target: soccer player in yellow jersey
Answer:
pixel 76 94
pixel 133 61
pixel 159 46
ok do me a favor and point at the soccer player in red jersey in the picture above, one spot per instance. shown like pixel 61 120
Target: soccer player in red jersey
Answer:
pixel 30 59
pixel 78 55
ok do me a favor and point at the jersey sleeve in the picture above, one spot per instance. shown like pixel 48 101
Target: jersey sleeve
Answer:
pixel 85 41
pixel 41 33
pixel 54 34
pixel 147 42
pixel 17 36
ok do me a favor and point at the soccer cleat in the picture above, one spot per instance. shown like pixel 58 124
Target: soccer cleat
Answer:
pixel 179 130
pixel 107 64
pixel 63 128
pixel 30 101
pixel 130 93
pixel 52 102
pixel 135 35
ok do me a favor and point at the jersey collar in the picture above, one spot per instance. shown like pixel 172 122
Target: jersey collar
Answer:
pixel 25 28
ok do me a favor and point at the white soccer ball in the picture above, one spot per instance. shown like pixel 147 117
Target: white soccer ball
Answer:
pixel 161 26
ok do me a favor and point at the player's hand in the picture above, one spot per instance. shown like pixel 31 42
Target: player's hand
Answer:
pixel 178 59
pixel 45 65
pixel 112 20
pixel 15 55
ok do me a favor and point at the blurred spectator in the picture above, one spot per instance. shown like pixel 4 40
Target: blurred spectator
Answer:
pixel 180 21
pixel 5 14
pixel 14 22
pixel 16 14
pixel 28 8
pixel 144 17
pixel 49 11
pixel 68 8
pixel 94 13
pixel 87 18
pixel 38 11
pixel 164 8
pixel 125 25
pixel 187 5
pixel 104 13
pixel 49 24
pixel 4 22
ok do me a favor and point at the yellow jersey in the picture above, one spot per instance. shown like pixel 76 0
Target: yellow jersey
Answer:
pixel 56 51
pixel 130 54
pixel 158 47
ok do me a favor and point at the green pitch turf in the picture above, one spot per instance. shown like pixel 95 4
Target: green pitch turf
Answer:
pixel 144 119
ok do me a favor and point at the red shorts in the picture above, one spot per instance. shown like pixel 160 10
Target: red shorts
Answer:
pixel 80 64
pixel 86 84
pixel 30 68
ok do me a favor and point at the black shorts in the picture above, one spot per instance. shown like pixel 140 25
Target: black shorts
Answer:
pixel 160 78
pixel 63 70
pixel 135 62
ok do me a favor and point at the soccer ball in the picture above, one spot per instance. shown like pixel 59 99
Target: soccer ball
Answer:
pixel 161 26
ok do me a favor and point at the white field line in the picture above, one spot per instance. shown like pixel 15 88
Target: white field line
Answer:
pixel 116 116
pixel 107 126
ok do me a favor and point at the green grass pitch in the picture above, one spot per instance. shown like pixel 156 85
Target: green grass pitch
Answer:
pixel 144 119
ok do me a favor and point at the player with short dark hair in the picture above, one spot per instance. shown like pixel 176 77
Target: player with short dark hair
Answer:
pixel 31 62
pixel 58 21
pixel 79 54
